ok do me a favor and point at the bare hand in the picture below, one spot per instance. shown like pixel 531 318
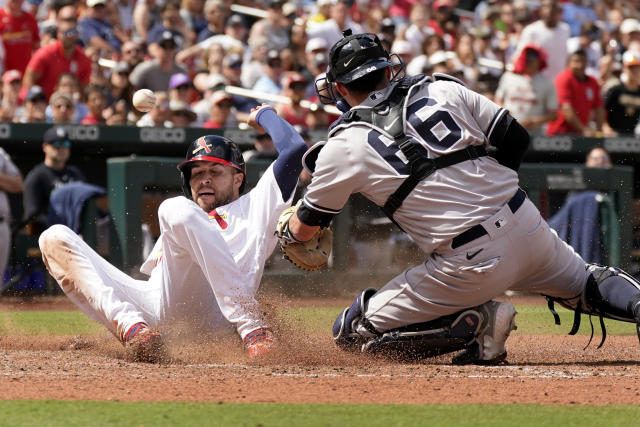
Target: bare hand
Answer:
pixel 252 118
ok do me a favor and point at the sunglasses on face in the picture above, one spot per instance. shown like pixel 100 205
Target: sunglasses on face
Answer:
pixel 70 33
pixel 58 144
pixel 168 46
pixel 224 105
pixel 132 51
pixel 181 114
pixel 183 87
pixel 298 86
pixel 274 64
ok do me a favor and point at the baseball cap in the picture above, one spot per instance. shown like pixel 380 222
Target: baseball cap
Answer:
pixel 631 58
pixel 294 78
pixel 11 75
pixel 630 25
pixel 35 93
pixel 315 43
pixel 320 58
pixel 176 106
pixel 219 96
pixel 165 37
pixel 442 3
pixel 232 60
pixel 402 47
pixel 272 55
pixel 93 3
pixel 274 3
pixel 235 19
pixel 438 57
pixel 179 79
pixel 55 134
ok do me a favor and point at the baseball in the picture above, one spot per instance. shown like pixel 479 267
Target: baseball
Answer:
pixel 144 100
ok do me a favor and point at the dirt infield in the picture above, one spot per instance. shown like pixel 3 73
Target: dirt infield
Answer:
pixel 542 369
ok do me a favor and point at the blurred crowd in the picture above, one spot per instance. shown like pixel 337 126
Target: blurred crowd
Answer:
pixel 560 67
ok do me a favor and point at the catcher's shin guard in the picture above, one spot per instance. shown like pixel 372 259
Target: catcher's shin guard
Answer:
pixel 344 328
pixel 481 331
pixel 610 292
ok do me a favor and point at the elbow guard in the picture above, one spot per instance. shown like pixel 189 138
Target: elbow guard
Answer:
pixel 511 141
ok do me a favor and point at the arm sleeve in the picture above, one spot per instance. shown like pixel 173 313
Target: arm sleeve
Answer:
pixel 291 147
pixel 511 141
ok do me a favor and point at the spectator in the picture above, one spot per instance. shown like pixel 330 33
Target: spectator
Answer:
pixel 11 82
pixel 181 114
pixel 170 21
pixel 444 22
pixel 588 40
pixel 68 84
pixel 155 74
pixel 20 35
pixel 10 182
pixel 526 93
pixel 97 102
pixel 53 173
pixel 95 29
pixel 263 147
pixel 317 118
pixel 231 71
pixel 123 9
pixel 579 99
pixel 418 29
pixel 467 57
pixel 577 15
pixel 550 34
pixel 331 29
pixel 61 107
pixel 629 32
pixel 119 95
pixel 159 115
pixel 294 89
pixel 61 56
pixel 132 53
pixel 209 85
pixel 216 13
pixel 180 88
pixel 622 102
pixel 35 104
pixel 145 13
pixel 272 73
pixel 598 158
pixel 192 14
pixel 274 27
pixel 221 105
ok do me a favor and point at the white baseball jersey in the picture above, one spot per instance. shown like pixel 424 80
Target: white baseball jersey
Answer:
pixel 442 116
pixel 205 268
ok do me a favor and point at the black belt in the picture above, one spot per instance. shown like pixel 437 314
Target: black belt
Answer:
pixel 478 230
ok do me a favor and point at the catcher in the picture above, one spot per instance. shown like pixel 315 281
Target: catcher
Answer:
pixel 207 264
pixel 418 147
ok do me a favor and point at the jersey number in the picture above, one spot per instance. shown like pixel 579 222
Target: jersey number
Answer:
pixel 439 131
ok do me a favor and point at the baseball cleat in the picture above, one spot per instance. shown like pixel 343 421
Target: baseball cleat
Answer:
pixel 144 345
pixel 488 348
pixel 259 342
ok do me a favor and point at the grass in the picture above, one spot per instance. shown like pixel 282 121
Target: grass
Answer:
pixel 531 320
pixel 81 413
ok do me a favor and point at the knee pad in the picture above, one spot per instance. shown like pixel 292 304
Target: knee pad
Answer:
pixel 344 328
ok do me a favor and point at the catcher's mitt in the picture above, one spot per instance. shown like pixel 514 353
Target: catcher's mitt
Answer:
pixel 310 255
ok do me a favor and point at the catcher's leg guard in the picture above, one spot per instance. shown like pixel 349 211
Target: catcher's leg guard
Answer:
pixel 344 328
pixel 610 292
pixel 481 330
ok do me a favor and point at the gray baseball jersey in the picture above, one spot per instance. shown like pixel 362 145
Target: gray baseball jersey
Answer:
pixel 516 249
pixel 6 167
pixel 442 116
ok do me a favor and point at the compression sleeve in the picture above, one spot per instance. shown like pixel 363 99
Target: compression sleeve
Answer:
pixel 511 141
pixel 291 147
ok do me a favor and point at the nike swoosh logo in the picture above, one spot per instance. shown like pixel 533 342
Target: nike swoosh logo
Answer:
pixel 346 64
pixel 471 256
pixel 390 124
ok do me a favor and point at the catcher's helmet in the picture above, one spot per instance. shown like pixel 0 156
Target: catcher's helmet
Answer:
pixel 211 148
pixel 351 58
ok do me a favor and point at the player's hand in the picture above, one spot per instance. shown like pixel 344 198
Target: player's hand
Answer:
pixel 252 118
